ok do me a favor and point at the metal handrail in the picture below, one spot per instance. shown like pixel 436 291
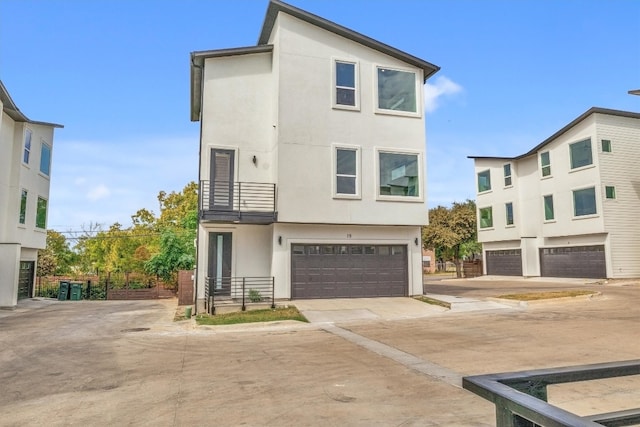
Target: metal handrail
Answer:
pixel 237 196
pixel 245 290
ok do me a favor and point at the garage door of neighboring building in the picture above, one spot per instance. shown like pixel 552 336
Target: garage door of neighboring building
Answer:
pixel 348 271
pixel 575 261
pixel 25 279
pixel 504 262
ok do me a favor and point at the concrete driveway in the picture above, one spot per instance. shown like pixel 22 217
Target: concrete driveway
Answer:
pixel 127 363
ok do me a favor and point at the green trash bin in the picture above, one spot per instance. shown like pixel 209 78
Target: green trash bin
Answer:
pixel 76 291
pixel 63 291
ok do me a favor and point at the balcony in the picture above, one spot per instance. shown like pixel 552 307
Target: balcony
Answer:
pixel 238 202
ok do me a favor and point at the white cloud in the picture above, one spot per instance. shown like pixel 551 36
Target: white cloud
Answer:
pixel 442 86
pixel 99 192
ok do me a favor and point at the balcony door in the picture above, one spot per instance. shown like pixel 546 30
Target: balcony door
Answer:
pixel 221 173
pixel 219 265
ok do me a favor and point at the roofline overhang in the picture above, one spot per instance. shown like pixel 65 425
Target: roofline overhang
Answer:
pixel 11 109
pixel 583 116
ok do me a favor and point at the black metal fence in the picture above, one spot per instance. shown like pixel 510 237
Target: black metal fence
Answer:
pixel 91 289
pixel 238 290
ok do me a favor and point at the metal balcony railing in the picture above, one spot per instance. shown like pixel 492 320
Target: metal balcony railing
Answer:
pixel 250 202
pixel 238 290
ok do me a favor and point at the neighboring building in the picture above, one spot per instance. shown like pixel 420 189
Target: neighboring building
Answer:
pixel 26 149
pixel 428 261
pixel 567 208
pixel 312 161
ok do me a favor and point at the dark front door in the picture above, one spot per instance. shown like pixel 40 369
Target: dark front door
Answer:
pixel 221 176
pixel 219 269
pixel 25 279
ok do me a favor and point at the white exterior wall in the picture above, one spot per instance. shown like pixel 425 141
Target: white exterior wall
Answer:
pixel 309 128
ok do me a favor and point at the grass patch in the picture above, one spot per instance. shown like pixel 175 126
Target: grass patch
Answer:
pixel 533 296
pixel 251 316
pixel 434 301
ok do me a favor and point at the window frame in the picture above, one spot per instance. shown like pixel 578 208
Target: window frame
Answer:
pixel 571 155
pixel 44 144
pixel 544 207
pixel 416 87
pixel 420 178
pixel 480 219
pixel 335 175
pixel 595 202
pixel 547 166
pixel 610 192
pixel 335 87
pixel 508 179
pixel 26 145
pixel 24 200
pixel 488 172
pixel 609 146
pixel 41 223
pixel 508 210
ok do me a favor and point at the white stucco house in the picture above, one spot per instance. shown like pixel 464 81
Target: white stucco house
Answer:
pixel 26 148
pixel 312 162
pixel 568 207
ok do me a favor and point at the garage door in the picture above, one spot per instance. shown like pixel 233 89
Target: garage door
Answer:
pixel 25 279
pixel 348 271
pixel 576 261
pixel 504 262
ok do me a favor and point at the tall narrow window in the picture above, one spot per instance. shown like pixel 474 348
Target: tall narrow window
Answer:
pixel 545 163
pixel 584 201
pixel 580 154
pixel 486 217
pixel 507 175
pixel 41 213
pixel 45 159
pixel 27 146
pixel 484 181
pixel 610 192
pixel 508 207
pixel 346 172
pixel 606 145
pixel 23 207
pixel 346 84
pixel 397 90
pixel 548 208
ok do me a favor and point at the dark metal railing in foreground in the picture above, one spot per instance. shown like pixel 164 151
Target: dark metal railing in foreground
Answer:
pixel 239 290
pixel 521 397
pixel 238 201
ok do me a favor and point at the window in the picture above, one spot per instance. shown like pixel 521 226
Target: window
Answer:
pixel 27 146
pixel 584 201
pixel 486 217
pixel 545 163
pixel 399 175
pixel 580 154
pixel 41 213
pixel 606 146
pixel 397 90
pixel 484 181
pixel 548 208
pixel 346 84
pixel 610 192
pixel 507 174
pixel 508 207
pixel 45 159
pixel 346 172
pixel 23 207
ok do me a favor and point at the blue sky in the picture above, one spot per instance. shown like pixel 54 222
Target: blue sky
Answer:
pixel 116 74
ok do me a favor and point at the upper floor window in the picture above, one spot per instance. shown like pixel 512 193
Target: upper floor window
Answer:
pixel 548 208
pixel 27 146
pixel 397 90
pixel 545 163
pixel 484 181
pixel 41 213
pixel 45 158
pixel 606 145
pixel 584 201
pixel 610 192
pixel 399 174
pixel 580 154
pixel 346 85
pixel 23 207
pixel 486 217
pixel 508 207
pixel 507 175
pixel 347 171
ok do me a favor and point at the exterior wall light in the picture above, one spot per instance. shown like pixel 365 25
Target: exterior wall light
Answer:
pixel 280 240
pixel 254 160
pixel 416 241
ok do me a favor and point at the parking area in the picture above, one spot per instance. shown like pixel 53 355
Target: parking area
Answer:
pixel 128 363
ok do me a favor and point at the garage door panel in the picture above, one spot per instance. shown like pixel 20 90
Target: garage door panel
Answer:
pixel 573 262
pixel 506 262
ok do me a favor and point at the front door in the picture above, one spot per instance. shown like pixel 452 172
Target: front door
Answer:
pixel 221 173
pixel 25 279
pixel 219 268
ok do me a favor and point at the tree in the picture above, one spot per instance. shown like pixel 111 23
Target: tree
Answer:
pixel 175 254
pixel 452 232
pixel 57 257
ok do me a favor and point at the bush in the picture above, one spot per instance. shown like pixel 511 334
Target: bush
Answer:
pixel 254 295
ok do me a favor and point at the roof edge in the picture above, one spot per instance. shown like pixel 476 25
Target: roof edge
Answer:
pixel 12 110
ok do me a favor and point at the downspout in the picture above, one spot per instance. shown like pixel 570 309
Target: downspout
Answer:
pixel 195 279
